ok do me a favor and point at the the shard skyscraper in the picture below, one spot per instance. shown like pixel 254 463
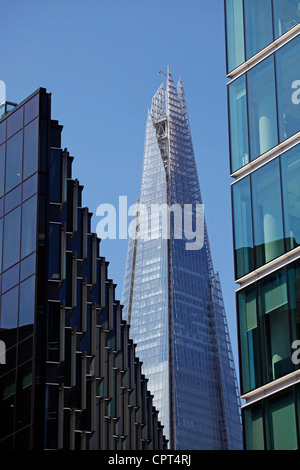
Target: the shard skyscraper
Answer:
pixel 172 297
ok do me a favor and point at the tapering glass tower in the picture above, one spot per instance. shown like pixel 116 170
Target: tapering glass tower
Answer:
pixel 171 294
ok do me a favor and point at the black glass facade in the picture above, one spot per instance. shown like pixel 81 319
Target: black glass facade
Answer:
pixel 72 379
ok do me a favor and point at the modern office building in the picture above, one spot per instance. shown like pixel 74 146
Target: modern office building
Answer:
pixel 71 378
pixel 263 65
pixel 171 294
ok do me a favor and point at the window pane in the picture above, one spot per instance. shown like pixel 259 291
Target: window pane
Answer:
pixel 2 131
pixel 239 148
pixel 243 239
pixel 9 309
pixel 286 15
pixel 267 213
pixel 27 301
pixel 294 301
pixel 12 228
pixel 262 108
pixel 31 142
pixel 14 122
pixel 29 215
pixel 2 169
pixel 1 242
pixel 254 433
pixel 14 161
pixel 30 186
pixel 280 415
pixel 258 25
pixel 32 109
pixel 249 339
pixel 13 199
pixel 288 84
pixel 274 324
pixel 10 278
pixel 27 267
pixel 290 170
pixel 235 33
pixel 54 251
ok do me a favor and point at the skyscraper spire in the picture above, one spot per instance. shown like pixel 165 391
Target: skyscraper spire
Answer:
pixel 172 296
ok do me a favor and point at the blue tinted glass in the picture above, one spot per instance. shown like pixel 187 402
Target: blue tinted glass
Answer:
pixel 14 122
pixel 11 242
pixel 1 206
pixel 267 213
pixel 31 143
pixel 286 15
pixel 1 243
pixel 262 108
pixel 13 199
pixel 27 267
pixel 30 186
pixel 249 339
pixel 14 152
pixel 288 88
pixel 32 109
pixel 235 33
pixel 9 309
pixel 27 301
pixel 2 169
pixel 2 131
pixel 29 217
pixel 290 171
pixel 239 148
pixel 243 238
pixel 10 278
pixel 258 25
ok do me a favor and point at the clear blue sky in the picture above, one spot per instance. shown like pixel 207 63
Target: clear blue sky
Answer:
pixel 100 60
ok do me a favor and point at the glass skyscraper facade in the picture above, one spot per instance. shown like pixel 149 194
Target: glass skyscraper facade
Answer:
pixel 263 65
pixel 171 295
pixel 71 378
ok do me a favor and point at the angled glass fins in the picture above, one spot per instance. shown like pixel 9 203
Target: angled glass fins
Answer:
pixel 171 294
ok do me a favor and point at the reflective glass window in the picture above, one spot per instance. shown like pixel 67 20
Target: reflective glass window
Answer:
pixel 14 161
pixel 10 278
pixel 288 88
pixel 1 242
pixel 54 251
pixel 235 33
pixel 2 131
pixel 262 108
pixel 258 25
pixel 267 213
pixel 294 301
pixel 274 324
pixel 280 415
pixel 13 199
pixel 254 430
pixel 31 109
pixel 249 339
pixel 27 301
pixel 11 241
pixel 239 146
pixel 31 143
pixel 2 169
pixel 286 15
pixel 29 217
pixel 243 237
pixel 290 170
pixel 14 122
pixel 30 186
pixel 9 309
pixel 27 266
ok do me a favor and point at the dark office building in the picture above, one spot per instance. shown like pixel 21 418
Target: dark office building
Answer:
pixel 72 379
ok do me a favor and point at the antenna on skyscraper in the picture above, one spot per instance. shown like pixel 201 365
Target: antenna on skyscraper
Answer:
pixel 160 71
